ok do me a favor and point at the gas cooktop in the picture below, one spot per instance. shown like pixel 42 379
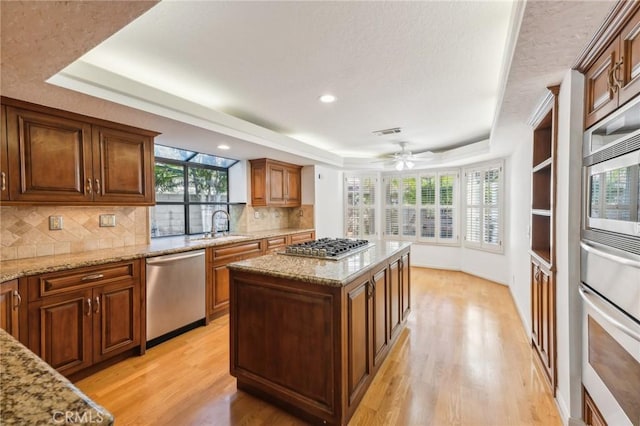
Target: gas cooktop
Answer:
pixel 328 248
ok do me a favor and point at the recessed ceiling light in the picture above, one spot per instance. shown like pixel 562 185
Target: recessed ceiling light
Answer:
pixel 223 146
pixel 327 99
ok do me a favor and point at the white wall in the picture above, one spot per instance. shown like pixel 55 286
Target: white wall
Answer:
pixel 239 190
pixel 307 185
pixel 568 207
pixel 439 257
pixel 328 205
pixel 519 205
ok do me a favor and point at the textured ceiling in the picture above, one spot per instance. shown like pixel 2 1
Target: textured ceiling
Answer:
pixel 421 66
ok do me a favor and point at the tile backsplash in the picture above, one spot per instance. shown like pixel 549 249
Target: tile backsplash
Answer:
pixel 247 219
pixel 24 231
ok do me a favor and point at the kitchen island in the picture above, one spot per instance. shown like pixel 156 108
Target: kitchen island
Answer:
pixel 309 334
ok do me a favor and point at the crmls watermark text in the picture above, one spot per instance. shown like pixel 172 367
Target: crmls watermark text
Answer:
pixel 76 417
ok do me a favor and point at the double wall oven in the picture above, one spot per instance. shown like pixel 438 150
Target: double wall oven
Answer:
pixel 610 266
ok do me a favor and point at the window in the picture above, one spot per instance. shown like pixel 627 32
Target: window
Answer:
pixel 190 186
pixel 422 207
pixel 484 216
pixel 360 205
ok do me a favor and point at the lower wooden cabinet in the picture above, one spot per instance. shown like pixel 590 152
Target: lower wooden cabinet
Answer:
pixel 10 303
pixel 380 314
pixel 543 318
pixel 358 310
pixel 590 412
pixel 82 317
pixel 217 274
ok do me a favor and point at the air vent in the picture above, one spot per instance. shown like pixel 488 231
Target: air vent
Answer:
pixel 383 132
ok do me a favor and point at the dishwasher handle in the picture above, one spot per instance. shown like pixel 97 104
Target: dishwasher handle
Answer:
pixel 169 259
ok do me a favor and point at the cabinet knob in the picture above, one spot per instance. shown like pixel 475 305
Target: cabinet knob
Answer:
pixel 89 186
pixel 4 181
pixel 97 305
pixel 92 277
pixel 89 305
pixel 98 186
pixel 18 299
pixel 616 73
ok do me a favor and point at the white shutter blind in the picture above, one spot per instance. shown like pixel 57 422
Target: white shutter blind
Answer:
pixel 360 205
pixel 483 210
pixel 392 206
pixel 447 214
pixel 409 210
pixel 428 207
pixel 474 188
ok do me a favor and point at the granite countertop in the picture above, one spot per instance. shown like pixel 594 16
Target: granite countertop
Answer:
pixel 12 269
pixel 335 273
pixel 32 392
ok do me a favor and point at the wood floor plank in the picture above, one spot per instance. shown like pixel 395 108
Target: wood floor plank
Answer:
pixel 464 359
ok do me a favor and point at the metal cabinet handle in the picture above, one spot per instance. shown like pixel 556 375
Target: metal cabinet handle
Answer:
pixel 97 305
pixel 89 186
pixel 18 298
pixel 92 277
pixel 616 70
pixel 89 305
pixel 98 186
pixel 4 181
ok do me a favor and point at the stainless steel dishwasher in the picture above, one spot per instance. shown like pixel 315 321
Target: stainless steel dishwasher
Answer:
pixel 175 295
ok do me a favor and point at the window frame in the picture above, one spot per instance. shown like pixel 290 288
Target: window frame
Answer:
pixel 186 202
pixel 483 168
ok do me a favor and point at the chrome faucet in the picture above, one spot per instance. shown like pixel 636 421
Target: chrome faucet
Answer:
pixel 213 224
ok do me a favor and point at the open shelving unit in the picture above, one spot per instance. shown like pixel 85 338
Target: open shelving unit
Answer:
pixel 542 232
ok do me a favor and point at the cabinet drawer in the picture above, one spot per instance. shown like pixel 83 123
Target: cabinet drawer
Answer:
pixel 302 237
pixel 226 253
pixel 62 282
pixel 276 242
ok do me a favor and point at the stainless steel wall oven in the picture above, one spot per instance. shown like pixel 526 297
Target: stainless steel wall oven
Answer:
pixel 610 266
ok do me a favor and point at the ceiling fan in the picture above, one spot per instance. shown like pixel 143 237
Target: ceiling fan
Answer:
pixel 405 159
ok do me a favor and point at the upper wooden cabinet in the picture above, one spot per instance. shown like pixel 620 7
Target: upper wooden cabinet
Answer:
pixel 613 77
pixel 55 157
pixel 274 183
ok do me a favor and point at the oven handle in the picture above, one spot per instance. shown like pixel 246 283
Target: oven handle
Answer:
pixel 595 301
pixel 610 256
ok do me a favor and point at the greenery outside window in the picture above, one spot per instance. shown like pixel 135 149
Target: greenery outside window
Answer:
pixel 190 186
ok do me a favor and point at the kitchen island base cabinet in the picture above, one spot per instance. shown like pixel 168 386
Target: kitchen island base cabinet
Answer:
pixel 313 349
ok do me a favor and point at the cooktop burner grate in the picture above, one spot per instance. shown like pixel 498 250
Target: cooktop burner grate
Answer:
pixel 328 248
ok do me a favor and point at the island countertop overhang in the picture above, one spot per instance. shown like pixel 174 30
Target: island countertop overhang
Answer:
pixel 336 273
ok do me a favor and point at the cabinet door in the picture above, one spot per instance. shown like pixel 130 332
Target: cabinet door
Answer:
pixel 358 320
pixel 219 289
pixel 630 52
pixel 10 301
pixel 380 316
pixel 60 331
pixel 277 181
pixel 546 317
pixel 600 96
pixel 4 152
pixel 406 287
pixel 49 158
pixel 395 297
pixel 116 319
pixel 293 193
pixel 301 237
pixel 123 164
pixel 535 304
pixel 258 183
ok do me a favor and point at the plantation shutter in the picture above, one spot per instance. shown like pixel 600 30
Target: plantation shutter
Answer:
pixel 360 205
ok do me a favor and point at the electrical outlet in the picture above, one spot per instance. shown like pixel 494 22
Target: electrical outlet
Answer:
pixel 300 213
pixel 55 223
pixel 256 215
pixel 107 220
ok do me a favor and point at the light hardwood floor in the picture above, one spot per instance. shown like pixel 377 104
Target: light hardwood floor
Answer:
pixel 464 359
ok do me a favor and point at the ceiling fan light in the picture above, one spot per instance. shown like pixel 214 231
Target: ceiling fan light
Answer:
pixel 399 165
pixel 409 164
